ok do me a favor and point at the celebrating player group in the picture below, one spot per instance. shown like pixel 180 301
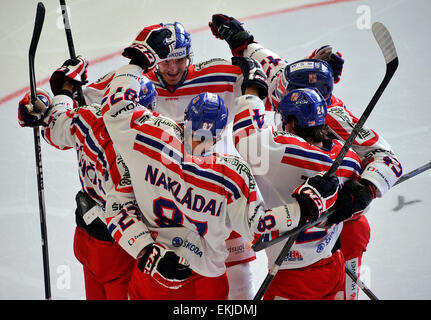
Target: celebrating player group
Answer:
pixel 184 165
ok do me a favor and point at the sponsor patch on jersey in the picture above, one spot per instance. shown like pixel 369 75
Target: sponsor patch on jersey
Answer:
pixel 201 65
pixel 179 242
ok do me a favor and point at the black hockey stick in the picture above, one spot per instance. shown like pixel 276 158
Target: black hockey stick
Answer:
pixel 384 40
pixel 263 245
pixel 413 173
pixel 387 47
pixel 359 282
pixel 40 17
pixel 70 44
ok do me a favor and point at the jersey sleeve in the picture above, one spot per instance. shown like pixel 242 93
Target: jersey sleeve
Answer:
pixel 252 139
pixel 123 216
pixel 273 66
pixel 57 124
pixel 380 164
pixel 251 134
pixel 247 214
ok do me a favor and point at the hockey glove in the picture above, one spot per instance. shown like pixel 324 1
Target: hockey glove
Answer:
pixel 231 30
pixel 30 115
pixel 253 75
pixel 335 60
pixel 316 195
pixel 352 200
pixel 152 45
pixel 168 269
pixel 73 71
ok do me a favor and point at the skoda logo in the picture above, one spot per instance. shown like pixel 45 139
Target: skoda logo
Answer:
pixel 177 242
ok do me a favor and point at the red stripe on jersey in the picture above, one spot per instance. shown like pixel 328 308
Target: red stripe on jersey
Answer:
pixel 243 133
pixel 203 184
pixel 308 165
pixel 160 134
pixel 101 85
pixel 225 171
pixel 214 69
pixel 185 91
pixel 241 115
pixel 47 134
pixel 117 235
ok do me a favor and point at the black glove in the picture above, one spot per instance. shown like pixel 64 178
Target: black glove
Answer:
pixel 73 71
pixel 231 30
pixel 30 115
pixel 316 195
pixel 164 266
pixel 352 200
pixel 253 75
pixel 152 45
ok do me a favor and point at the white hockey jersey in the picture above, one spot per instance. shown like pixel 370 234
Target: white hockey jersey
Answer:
pixel 191 204
pixel 281 161
pixel 381 166
pixel 102 172
pixel 217 76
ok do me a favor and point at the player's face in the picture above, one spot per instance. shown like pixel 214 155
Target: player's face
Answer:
pixel 172 70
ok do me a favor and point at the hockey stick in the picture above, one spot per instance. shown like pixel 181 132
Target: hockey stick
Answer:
pixel 384 40
pixel 350 273
pixel 387 47
pixel 413 173
pixel 359 282
pixel 40 17
pixel 260 245
pixel 70 44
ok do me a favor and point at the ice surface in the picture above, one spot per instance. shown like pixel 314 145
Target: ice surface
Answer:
pixel 398 260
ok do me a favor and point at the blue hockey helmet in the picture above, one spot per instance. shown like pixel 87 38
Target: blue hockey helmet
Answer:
pixel 183 42
pixel 311 73
pixel 206 115
pixel 306 105
pixel 147 93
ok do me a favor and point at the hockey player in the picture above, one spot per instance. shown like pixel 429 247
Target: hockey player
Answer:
pixel 105 180
pixel 178 80
pixel 299 152
pixel 193 199
pixel 381 167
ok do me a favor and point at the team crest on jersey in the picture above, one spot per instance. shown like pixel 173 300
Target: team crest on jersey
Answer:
pixel 259 118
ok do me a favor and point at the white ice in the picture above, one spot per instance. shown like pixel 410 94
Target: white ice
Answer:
pixel 397 264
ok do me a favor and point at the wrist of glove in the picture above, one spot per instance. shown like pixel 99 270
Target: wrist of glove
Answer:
pixel 253 75
pixel 32 114
pixel 230 29
pixel 152 45
pixel 353 198
pixel 316 195
pixel 335 60
pixel 168 269
pixel 74 71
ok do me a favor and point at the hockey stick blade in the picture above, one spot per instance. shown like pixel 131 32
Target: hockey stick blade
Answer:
pixel 70 44
pixel 38 24
pixel 387 47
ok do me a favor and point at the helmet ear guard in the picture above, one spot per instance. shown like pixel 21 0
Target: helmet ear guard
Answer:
pixel 306 105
